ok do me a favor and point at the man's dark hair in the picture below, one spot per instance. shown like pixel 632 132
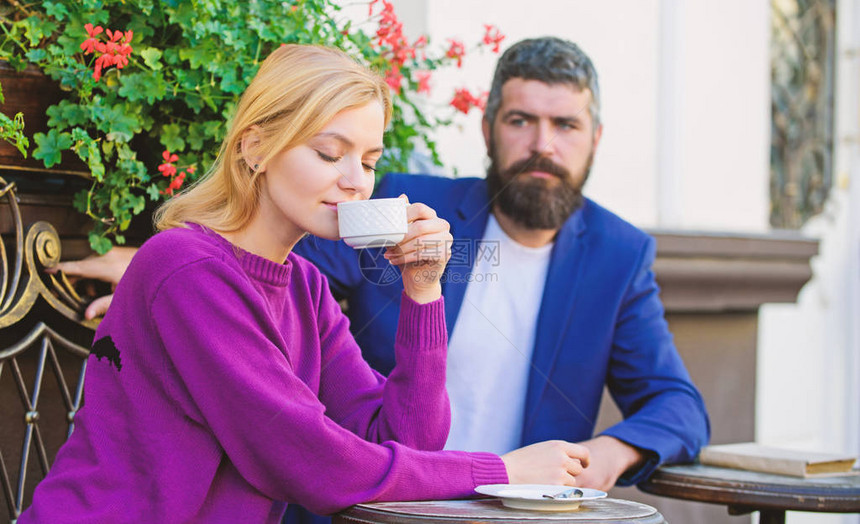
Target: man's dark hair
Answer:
pixel 550 60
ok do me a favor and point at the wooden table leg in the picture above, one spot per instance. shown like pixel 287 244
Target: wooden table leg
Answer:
pixel 771 516
pixel 766 516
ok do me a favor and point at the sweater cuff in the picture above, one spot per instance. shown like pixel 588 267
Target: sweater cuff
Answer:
pixel 488 469
pixel 421 326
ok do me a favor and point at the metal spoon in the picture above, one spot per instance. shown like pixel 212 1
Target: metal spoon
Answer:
pixel 572 493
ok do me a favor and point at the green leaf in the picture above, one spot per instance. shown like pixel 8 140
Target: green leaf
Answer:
pixel 99 243
pixel 151 57
pixel 146 6
pixel 36 55
pixel 170 138
pixel 79 201
pixel 196 135
pixel 56 10
pixel 137 204
pixel 153 193
pixel 108 149
pixel 88 150
pixel 66 114
pixel 148 85
pixel 215 129
pixel 35 29
pixel 171 56
pixel 199 57
pixel 17 63
pixel 230 83
pixel 120 122
pixel 50 147
pixel 131 171
pixel 124 152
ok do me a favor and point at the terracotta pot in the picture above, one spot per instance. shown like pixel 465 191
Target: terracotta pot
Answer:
pixel 31 93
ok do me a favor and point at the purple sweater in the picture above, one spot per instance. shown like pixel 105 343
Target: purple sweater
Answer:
pixel 222 385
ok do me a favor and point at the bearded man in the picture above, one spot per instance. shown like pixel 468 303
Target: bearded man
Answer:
pixel 549 297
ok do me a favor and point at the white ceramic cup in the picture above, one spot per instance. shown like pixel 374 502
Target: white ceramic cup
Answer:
pixel 372 223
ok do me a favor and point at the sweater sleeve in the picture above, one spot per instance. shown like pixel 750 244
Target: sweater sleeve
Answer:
pixel 411 406
pixel 272 427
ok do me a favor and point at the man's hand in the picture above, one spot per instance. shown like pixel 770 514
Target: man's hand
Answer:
pixel 108 267
pixel 610 458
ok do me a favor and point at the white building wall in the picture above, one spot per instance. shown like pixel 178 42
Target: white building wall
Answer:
pixel 725 114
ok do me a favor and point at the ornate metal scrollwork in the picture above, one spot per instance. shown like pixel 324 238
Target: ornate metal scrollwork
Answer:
pixel 23 284
pixel 37 351
pixel 803 48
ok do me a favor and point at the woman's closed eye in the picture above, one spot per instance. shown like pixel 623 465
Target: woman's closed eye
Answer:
pixel 334 159
pixel 328 158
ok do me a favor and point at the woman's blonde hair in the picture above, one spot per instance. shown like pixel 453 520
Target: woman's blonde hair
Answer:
pixel 296 92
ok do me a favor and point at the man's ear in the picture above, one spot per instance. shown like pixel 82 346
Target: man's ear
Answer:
pixel 597 134
pixel 250 143
pixel 485 128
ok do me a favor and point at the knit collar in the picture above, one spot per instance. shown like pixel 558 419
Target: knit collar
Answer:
pixel 259 268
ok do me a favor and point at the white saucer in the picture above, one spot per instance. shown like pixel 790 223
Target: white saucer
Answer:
pixel 531 496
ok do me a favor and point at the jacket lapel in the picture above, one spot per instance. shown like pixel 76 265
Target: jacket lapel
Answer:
pixel 467 227
pixel 557 308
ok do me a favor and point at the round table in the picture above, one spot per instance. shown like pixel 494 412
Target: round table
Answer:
pixel 747 491
pixel 603 511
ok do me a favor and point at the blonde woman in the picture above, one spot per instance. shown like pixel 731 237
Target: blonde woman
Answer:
pixel 224 383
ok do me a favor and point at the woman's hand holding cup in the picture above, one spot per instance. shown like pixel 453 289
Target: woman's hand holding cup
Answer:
pixel 423 253
pixel 418 241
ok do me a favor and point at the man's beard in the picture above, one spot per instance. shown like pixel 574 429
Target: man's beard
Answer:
pixel 532 202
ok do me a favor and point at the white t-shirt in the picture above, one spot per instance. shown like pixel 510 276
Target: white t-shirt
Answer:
pixel 490 350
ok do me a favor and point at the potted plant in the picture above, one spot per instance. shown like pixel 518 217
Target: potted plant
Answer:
pixel 148 85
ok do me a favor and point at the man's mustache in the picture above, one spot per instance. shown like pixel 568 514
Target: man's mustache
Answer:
pixel 537 163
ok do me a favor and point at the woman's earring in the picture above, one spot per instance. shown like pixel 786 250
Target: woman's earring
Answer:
pixel 256 167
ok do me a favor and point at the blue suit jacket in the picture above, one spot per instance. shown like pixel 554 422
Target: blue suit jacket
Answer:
pixel 601 322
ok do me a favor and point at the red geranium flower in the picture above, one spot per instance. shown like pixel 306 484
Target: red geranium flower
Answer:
pixel 457 50
pixel 114 52
pixel 492 36
pixel 423 78
pixel 167 168
pixel 464 101
pixel 393 78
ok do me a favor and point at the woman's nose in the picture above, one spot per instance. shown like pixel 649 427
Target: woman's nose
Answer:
pixel 355 179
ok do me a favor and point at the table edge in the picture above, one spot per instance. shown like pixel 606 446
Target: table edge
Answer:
pixel 750 494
